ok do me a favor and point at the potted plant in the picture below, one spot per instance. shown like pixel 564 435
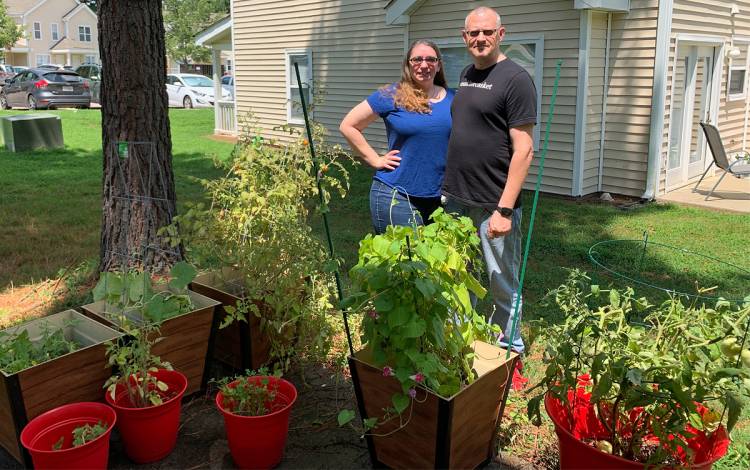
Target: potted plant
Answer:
pixel 256 417
pixel 46 363
pixel 185 318
pixel 147 395
pixel 629 384
pixel 428 359
pixel 273 273
pixel 70 436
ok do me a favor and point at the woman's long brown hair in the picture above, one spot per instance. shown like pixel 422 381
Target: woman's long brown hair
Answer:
pixel 407 94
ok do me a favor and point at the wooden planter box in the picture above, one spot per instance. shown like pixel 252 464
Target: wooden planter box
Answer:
pixel 241 345
pixel 455 432
pixel 73 377
pixel 186 337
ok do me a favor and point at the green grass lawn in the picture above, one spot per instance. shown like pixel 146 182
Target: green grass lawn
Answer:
pixel 50 206
pixel 50 219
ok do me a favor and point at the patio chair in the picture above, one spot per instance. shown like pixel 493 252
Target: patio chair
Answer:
pixel 736 169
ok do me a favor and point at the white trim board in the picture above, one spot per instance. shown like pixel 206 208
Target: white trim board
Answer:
pixel 579 145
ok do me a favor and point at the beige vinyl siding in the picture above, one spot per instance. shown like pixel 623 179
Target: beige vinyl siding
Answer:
pixel 559 23
pixel 631 73
pixel 597 53
pixel 353 53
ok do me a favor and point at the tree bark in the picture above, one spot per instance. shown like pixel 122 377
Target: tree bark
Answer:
pixel 138 190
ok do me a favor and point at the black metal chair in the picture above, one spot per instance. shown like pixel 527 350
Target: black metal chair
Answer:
pixel 737 169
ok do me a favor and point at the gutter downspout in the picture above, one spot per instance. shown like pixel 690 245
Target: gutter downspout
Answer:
pixel 604 103
pixel 659 92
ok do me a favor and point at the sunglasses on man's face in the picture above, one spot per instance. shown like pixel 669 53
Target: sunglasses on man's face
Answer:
pixel 486 32
pixel 416 60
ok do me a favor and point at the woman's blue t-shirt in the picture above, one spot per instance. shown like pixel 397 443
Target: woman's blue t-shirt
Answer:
pixel 422 140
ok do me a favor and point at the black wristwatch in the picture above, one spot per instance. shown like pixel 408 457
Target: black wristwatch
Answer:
pixel 504 211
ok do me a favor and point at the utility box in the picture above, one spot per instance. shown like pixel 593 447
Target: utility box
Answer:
pixel 31 131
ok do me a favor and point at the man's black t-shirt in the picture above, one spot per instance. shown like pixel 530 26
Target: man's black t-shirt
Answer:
pixel 487 104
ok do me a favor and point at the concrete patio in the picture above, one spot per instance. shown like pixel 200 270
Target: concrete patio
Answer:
pixel 733 194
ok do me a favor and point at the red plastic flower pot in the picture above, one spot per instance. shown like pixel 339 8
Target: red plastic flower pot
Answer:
pixel 257 442
pixel 575 454
pixel 42 433
pixel 150 434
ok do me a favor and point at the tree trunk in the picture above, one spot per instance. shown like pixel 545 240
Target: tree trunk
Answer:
pixel 138 182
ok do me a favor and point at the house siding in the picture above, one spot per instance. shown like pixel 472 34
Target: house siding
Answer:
pixel 630 82
pixel 559 23
pixel 371 58
pixel 595 100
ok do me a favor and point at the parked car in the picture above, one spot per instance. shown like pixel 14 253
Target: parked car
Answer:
pixel 227 83
pixel 190 90
pixel 92 74
pixel 6 71
pixel 39 88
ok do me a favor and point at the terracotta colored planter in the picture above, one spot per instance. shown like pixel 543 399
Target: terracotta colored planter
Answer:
pixel 257 442
pixel 575 454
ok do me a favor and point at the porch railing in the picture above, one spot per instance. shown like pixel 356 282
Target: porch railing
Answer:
pixel 225 122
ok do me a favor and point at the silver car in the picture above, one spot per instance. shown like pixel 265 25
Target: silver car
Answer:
pixel 92 74
pixel 45 88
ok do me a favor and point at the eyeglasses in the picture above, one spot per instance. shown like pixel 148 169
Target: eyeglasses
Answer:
pixel 475 33
pixel 416 60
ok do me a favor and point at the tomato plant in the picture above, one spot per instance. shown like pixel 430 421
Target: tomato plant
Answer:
pixel 655 376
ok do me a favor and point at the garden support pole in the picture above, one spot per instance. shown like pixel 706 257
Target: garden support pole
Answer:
pixel 323 207
pixel 516 324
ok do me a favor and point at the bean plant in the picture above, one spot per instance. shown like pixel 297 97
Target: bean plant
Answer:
pixel 656 376
pixel 18 351
pixel 258 222
pixel 415 285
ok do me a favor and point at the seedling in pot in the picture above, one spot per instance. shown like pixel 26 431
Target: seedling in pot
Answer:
pixel 83 434
pixel 248 398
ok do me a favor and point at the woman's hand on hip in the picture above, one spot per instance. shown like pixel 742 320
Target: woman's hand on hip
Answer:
pixel 389 161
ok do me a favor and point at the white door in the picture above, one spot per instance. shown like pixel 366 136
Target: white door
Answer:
pixel 692 102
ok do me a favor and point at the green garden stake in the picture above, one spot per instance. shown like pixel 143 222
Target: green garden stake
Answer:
pixel 516 324
pixel 322 204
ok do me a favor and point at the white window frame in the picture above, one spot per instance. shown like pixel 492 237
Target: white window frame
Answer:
pixel 89 59
pixel 54 31
pixel 745 66
pixel 290 82
pixel 47 60
pixel 84 31
pixel 538 41
pixel 230 65
pixel 37 30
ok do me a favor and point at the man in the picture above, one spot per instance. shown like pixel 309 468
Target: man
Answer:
pixel 489 154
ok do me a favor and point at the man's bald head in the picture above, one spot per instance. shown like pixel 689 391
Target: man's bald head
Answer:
pixel 482 11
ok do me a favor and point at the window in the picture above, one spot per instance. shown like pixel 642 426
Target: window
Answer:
pixel 526 52
pixel 738 74
pixel 37 30
pixel 54 32
pixel 89 59
pixel 42 59
pixel 84 33
pixel 229 65
pixel 302 57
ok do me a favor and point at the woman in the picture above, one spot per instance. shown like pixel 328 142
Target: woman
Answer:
pixel 416 110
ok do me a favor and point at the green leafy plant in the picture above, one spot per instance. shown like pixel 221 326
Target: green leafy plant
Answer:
pixel 134 364
pixel 649 378
pixel 18 351
pixel 415 286
pixel 246 397
pixel 258 224
pixel 157 300
pixel 83 434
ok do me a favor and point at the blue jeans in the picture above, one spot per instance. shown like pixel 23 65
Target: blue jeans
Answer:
pixel 502 257
pixel 406 211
